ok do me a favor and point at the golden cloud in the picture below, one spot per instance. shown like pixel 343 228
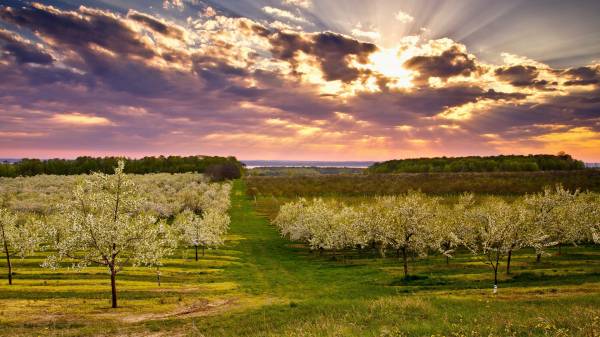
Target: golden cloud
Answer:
pixel 80 119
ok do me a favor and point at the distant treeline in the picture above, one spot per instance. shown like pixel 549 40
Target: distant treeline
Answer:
pixel 530 163
pixel 220 167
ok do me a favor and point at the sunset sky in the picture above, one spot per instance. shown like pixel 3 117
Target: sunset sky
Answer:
pixel 300 79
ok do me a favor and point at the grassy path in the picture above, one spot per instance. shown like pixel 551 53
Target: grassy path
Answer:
pixel 296 289
pixel 272 267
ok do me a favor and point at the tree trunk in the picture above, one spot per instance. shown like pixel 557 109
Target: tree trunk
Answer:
pixel 447 248
pixel 538 258
pixel 496 266
pixel 158 275
pixel 9 267
pixel 7 256
pixel 196 248
pixel 559 249
pixel 404 257
pixel 202 250
pixel 496 276
pixel 113 286
pixel 381 251
pixel 508 262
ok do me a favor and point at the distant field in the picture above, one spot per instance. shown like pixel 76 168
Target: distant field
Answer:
pixel 434 183
pixel 302 171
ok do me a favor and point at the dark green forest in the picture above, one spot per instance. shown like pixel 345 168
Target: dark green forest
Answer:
pixel 511 163
pixel 217 166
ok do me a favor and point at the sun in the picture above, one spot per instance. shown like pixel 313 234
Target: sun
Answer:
pixel 390 63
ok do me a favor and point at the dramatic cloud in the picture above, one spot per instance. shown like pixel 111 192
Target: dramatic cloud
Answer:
pixel 298 3
pixel 403 17
pixel 452 62
pixel 177 4
pixel 156 25
pixel 331 50
pixel 583 76
pixel 522 76
pixel 100 81
pixel 79 30
pixel 283 14
pixel 369 34
pixel 23 51
pixel 79 119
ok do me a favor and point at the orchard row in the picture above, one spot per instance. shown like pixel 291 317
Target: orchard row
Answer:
pixel 416 224
pixel 111 220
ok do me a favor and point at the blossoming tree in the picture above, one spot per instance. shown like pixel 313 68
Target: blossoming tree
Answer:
pixel 18 237
pixel 206 230
pixel 104 226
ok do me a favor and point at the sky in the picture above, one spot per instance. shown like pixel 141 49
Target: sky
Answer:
pixel 300 79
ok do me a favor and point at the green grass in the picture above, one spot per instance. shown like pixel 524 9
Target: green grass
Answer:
pixel 259 284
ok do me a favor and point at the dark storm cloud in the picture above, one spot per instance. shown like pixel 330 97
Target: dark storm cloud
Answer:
pixel 247 92
pixel 80 32
pixel 581 82
pixel 452 62
pixel 431 101
pixel 285 45
pixel 519 75
pixel 79 29
pixel 156 25
pixel 583 73
pixel 128 75
pixel 522 76
pixel 43 76
pixel 583 76
pixel 526 119
pixel 410 106
pixel 22 51
pixel 496 95
pixel 217 74
pixel 330 49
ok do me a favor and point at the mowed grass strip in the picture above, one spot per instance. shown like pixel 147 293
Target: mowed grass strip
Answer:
pixel 262 285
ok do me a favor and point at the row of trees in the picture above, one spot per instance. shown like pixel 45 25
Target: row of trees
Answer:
pixel 110 221
pixel 510 163
pixel 415 224
pixel 508 183
pixel 219 167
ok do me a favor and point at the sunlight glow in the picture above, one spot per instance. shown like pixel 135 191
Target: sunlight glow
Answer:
pixel 390 62
pixel 80 119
